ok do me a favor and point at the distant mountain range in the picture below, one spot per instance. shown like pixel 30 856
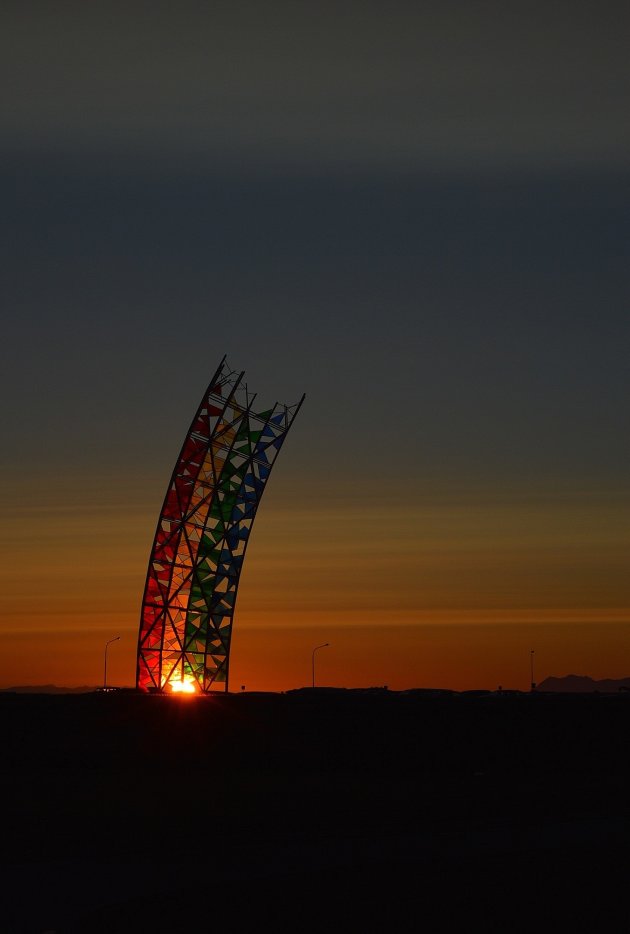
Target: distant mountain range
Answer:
pixel 581 684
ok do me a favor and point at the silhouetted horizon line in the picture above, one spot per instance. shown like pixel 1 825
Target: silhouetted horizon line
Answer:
pixel 570 683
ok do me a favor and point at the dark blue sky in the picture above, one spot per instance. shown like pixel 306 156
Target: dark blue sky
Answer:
pixel 475 325
pixel 418 215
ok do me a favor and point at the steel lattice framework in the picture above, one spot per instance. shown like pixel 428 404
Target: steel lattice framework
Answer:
pixel 202 536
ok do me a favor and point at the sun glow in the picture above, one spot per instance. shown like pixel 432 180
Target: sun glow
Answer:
pixel 183 686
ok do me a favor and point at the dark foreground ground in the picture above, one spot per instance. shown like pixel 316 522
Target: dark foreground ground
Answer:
pixel 315 812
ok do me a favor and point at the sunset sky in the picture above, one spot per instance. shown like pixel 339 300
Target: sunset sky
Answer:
pixel 418 214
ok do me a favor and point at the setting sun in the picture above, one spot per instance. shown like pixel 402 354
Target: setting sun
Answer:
pixel 184 686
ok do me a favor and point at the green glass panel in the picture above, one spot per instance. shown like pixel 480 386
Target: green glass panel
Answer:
pixel 207 545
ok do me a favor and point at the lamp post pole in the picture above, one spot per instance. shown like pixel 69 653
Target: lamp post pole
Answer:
pixel 107 645
pixel 531 670
pixel 322 646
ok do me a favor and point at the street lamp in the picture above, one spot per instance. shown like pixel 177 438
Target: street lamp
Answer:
pixel 322 646
pixel 107 645
pixel 531 670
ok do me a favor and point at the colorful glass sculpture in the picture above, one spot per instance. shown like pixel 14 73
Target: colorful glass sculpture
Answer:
pixel 202 536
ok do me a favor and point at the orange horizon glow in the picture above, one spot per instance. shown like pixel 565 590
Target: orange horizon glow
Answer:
pixel 448 594
pixel 455 655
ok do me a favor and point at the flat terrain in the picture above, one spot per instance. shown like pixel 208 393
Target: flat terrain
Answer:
pixel 319 810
